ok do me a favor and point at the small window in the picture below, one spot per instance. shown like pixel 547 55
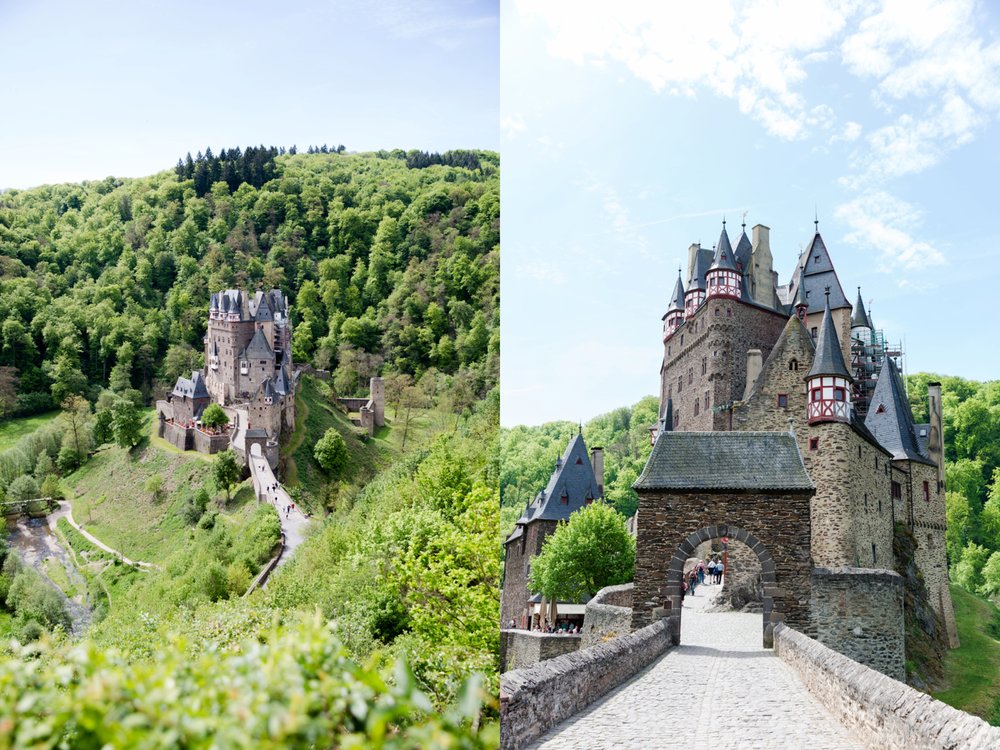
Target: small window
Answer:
pixel 896 491
pixel 706 401
pixel 704 365
pixel 880 409
pixel 716 312
pixel 815 394
pixel 874 556
pixel 579 461
pixel 859 451
pixel 812 332
pixel 564 499
pixel 814 444
pixel 793 365
pixel 690 375
pixel 927 491
pixel 682 339
pixel 866 502
pixel 696 405
pixel 838 394
pixel 880 505
pixel 729 312
pixel 876 463
pixel 783 400
pixel 680 383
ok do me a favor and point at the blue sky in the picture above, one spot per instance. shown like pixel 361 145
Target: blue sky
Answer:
pixel 124 88
pixel 629 130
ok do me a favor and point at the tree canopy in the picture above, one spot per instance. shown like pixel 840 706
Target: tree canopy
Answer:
pixel 590 551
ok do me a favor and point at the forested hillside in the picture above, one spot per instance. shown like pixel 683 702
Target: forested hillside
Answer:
pixel 388 267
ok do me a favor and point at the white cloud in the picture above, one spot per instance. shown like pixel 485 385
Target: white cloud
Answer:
pixel 542 271
pixel 882 224
pixel 849 134
pixel 512 125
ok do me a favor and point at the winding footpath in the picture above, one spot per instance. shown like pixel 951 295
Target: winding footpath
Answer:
pixel 66 511
pixel 269 489
pixel 720 688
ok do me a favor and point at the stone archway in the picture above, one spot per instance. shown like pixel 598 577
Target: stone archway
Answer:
pixel 686 549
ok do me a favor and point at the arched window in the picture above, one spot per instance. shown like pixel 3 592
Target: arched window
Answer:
pixel 793 364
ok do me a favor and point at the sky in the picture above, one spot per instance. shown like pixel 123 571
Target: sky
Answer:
pixel 126 87
pixel 630 130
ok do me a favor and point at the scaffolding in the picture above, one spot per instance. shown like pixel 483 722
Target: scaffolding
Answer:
pixel 869 348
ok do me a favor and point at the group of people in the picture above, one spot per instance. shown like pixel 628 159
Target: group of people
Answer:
pixel 272 490
pixel 562 629
pixel 696 576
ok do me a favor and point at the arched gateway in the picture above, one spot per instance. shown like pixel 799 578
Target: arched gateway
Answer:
pixel 700 486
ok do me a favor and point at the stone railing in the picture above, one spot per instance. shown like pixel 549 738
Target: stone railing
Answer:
pixel 522 648
pixel 608 615
pixel 534 699
pixel 883 712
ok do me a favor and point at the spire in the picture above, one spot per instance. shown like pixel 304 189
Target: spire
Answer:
pixel 697 280
pixel 723 259
pixel 801 299
pixel 668 416
pixel 677 298
pixel 860 319
pixel 816 217
pixel 829 359
pixel 889 417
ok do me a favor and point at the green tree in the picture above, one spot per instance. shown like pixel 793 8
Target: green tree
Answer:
pixel 591 551
pixel 227 472
pixel 214 416
pixel 67 378
pixel 969 570
pixel 154 486
pixel 126 423
pixel 25 487
pixel 959 525
pixel 991 576
pixel 76 415
pixel 330 452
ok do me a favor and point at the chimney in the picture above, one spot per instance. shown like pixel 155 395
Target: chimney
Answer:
pixel 597 461
pixel 935 437
pixel 755 362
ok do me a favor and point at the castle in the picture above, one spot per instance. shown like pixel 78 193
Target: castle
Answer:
pixel 783 425
pixel 248 371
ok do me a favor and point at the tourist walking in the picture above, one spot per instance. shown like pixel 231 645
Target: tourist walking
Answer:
pixel 701 572
pixel 692 581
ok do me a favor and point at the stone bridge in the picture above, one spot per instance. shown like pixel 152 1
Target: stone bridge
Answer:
pixel 722 688
pixel 268 489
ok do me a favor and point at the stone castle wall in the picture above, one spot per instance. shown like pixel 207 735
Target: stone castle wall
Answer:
pixel 177 436
pixel 888 713
pixel 204 443
pixel 714 340
pixel 522 648
pixel 514 597
pixel 536 698
pixel 859 613
pixel 608 615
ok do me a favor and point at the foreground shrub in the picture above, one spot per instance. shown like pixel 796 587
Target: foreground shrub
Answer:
pixel 297 689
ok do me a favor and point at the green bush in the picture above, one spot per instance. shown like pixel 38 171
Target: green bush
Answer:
pixel 296 689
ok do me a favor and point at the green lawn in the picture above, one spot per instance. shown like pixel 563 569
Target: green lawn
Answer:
pixel 972 671
pixel 12 430
pixel 57 574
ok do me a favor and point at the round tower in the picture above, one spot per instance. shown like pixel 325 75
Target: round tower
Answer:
pixel 861 324
pixel 829 381
pixel 722 278
pixel 675 313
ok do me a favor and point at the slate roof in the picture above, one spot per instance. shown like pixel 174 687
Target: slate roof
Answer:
pixel 800 294
pixel 574 476
pixel 829 359
pixel 723 259
pixel 260 310
pixel 744 251
pixel 859 318
pixel 281 382
pixel 191 388
pixel 677 299
pixel 890 419
pixel 269 389
pixel 255 432
pixel 702 260
pixel 230 300
pixel 258 348
pixel 817 274
pixel 707 461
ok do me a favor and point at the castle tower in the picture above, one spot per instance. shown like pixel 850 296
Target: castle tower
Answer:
pixel 763 278
pixel 675 313
pixel 801 303
pixel 828 381
pixel 722 278
pixel 860 322
pixel 695 293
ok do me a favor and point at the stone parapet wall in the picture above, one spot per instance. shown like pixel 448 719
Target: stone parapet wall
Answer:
pixel 176 435
pixel 859 613
pixel 885 713
pixel 534 699
pixel 522 648
pixel 205 443
pixel 608 615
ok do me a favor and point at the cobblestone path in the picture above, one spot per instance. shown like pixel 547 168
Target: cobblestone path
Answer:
pixel 719 689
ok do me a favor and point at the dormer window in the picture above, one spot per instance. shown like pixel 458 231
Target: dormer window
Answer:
pixel 564 498
pixel 244 367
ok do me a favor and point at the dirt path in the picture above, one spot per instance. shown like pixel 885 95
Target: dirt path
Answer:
pixel 66 511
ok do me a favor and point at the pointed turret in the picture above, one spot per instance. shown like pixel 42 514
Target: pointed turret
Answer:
pixel 801 303
pixel 829 380
pixel 722 278
pixel 675 313
pixel 859 318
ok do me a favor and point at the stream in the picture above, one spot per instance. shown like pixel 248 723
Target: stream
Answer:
pixel 35 543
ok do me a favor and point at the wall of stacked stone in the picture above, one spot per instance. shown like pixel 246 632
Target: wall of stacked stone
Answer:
pixel 859 613
pixel 719 335
pixel 780 523
pixel 536 698
pixel 522 648
pixel 176 435
pixel 888 714
pixel 517 563
pixel 870 501
pixel 742 573
pixel 204 443
pixel 608 615
pixel 928 525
